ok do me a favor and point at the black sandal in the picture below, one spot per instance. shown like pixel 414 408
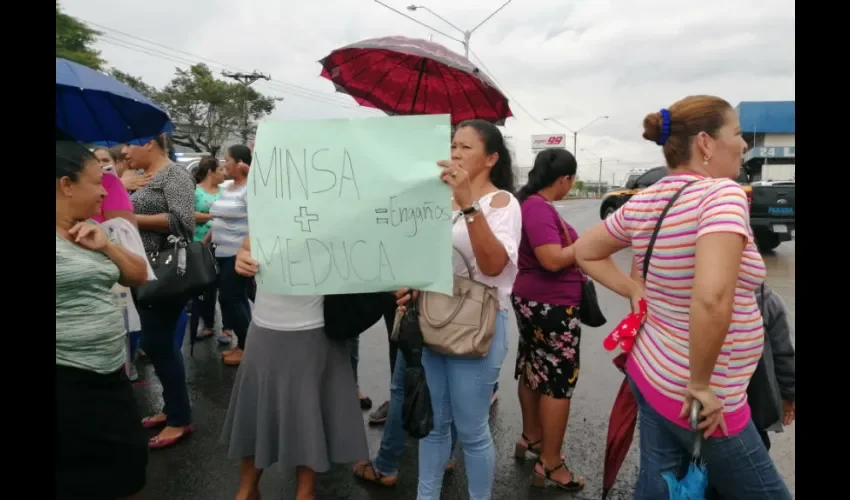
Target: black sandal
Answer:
pixel 542 480
pixel 532 447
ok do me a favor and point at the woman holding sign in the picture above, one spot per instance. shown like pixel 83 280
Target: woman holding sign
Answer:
pixel 294 401
pixel 487 230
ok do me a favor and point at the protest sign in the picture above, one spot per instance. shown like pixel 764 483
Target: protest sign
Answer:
pixel 351 205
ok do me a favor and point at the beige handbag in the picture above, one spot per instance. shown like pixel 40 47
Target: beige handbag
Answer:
pixel 461 324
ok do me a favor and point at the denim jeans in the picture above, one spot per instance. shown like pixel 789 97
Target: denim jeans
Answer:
pixel 233 297
pixel 389 319
pixel 739 466
pixel 461 389
pixel 158 324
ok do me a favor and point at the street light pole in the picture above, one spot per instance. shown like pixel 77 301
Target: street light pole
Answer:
pixel 466 33
pixel 575 132
pixel 599 187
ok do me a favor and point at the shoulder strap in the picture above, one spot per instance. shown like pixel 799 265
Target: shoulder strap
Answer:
pixel 658 227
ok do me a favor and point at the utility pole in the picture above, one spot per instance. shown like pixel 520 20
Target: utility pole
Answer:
pixel 246 79
pixel 575 132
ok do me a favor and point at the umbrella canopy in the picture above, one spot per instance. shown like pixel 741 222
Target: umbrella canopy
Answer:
pixel 410 76
pixel 94 108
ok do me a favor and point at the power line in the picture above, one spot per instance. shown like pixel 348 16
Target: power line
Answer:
pixel 201 58
pixel 184 61
pixel 279 85
pixel 503 89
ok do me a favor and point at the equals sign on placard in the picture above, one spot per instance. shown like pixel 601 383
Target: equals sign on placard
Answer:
pixel 382 220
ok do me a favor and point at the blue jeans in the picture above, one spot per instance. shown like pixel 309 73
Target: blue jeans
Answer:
pixel 461 389
pixel 395 437
pixel 158 324
pixel 739 466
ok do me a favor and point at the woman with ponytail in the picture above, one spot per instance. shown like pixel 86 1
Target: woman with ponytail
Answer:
pixel 546 296
pixel 209 175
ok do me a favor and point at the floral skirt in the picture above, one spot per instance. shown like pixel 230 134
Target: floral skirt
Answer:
pixel 548 353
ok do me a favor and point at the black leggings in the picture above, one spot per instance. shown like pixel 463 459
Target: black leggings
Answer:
pixel 233 297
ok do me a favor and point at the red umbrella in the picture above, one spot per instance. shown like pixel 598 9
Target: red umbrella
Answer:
pixel 409 76
pixel 621 423
pixel 621 430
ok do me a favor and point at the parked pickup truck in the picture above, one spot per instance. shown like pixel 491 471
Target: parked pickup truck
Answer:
pixel 773 212
pixel 772 205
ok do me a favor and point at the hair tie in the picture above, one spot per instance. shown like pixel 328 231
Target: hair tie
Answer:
pixel 665 127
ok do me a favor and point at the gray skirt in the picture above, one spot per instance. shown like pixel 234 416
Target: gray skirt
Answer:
pixel 294 402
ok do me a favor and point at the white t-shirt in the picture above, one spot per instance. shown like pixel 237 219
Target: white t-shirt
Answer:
pixel 506 224
pixel 289 312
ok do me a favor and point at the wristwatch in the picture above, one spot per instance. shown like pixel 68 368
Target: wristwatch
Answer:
pixel 471 212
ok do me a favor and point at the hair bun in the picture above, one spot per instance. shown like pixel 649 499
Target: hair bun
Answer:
pixel 652 127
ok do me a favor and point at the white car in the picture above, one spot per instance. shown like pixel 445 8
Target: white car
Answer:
pixel 191 160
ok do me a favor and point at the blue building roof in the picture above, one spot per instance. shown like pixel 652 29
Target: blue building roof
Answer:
pixel 766 117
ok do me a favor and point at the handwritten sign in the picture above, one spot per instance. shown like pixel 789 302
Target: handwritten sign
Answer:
pixel 351 206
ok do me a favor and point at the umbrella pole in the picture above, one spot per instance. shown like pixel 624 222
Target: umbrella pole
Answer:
pixel 418 83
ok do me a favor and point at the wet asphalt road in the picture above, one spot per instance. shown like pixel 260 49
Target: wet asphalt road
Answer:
pixel 199 467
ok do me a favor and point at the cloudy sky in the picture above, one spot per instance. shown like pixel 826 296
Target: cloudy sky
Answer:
pixel 573 60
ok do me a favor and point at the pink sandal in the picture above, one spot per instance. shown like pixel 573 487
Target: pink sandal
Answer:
pixel 157 442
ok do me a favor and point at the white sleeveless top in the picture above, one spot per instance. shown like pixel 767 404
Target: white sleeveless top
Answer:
pixel 506 224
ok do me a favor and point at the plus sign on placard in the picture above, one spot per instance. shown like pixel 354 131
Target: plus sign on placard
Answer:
pixel 304 218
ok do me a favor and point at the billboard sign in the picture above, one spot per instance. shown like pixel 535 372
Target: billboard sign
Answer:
pixel 548 141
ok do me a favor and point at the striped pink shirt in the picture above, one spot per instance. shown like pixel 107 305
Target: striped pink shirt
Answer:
pixel 658 363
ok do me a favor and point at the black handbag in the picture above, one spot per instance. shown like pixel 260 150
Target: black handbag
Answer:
pixel 417 415
pixel 183 269
pixel 589 311
pixel 347 316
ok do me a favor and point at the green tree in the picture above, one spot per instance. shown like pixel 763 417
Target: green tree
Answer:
pixel 135 83
pixel 579 186
pixel 207 111
pixel 74 40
